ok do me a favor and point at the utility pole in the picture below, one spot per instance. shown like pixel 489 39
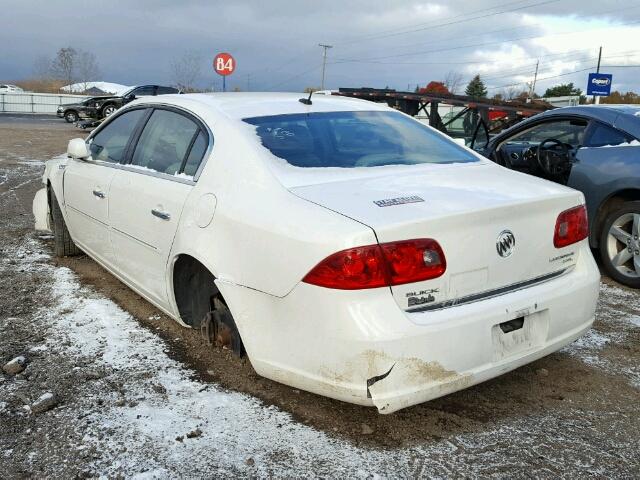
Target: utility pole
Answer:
pixel 596 98
pixel 532 89
pixel 324 61
pixel 248 82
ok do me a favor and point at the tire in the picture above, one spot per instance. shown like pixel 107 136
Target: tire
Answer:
pixel 71 116
pixel 620 244
pixel 63 244
pixel 108 109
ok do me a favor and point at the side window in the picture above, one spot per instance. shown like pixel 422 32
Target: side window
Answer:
pixel 567 131
pixel 110 143
pixel 602 135
pixel 144 91
pixel 164 142
pixel 195 155
pixel 167 90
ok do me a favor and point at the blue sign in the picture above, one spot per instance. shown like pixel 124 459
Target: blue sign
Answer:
pixel 599 84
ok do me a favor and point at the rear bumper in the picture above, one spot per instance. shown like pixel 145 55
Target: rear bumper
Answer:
pixel 361 348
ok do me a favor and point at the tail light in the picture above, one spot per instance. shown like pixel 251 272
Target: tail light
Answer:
pixel 373 266
pixel 571 227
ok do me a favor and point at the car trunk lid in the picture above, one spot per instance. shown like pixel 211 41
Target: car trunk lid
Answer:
pixel 469 211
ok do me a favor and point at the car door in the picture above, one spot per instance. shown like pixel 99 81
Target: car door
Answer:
pixel 87 184
pixel 603 165
pixel 148 195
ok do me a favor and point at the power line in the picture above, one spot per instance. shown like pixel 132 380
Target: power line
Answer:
pixel 509 73
pixel 366 36
pixel 519 28
pixel 543 78
pixel 297 75
pixel 475 45
pixel 432 26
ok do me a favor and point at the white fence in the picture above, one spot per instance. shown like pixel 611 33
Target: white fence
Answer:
pixel 35 102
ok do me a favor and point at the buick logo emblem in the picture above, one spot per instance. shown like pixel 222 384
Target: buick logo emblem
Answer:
pixel 506 243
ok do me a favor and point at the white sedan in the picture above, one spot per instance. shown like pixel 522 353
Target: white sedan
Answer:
pixel 346 248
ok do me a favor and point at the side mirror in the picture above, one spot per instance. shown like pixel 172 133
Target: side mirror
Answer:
pixel 77 149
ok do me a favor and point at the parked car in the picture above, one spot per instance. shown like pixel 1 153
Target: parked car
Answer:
pixel 105 106
pixel 72 112
pixel 348 249
pixel 7 88
pixel 594 149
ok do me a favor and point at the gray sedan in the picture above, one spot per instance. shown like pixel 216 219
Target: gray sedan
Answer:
pixel 594 149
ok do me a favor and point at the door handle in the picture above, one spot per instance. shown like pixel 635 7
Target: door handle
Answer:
pixel 99 194
pixel 160 214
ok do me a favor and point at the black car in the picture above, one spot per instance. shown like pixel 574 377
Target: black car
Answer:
pixel 105 106
pixel 73 112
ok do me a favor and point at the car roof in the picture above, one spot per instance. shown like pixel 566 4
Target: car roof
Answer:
pixel 239 105
pixel 606 113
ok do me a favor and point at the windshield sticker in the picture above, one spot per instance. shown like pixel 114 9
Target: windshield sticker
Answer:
pixel 388 202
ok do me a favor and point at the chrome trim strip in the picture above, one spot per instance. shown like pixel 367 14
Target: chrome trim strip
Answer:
pixel 132 169
pixel 488 294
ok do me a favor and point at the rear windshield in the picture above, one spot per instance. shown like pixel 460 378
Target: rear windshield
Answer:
pixel 355 139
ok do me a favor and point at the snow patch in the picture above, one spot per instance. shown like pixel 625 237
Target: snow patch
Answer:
pixel 38 348
pixel 106 87
pixel 592 340
pixel 635 320
pixel 239 426
pixel 633 143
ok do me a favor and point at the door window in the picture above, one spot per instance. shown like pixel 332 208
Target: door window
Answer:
pixel 167 90
pixel 566 131
pixel 110 143
pixel 144 91
pixel 165 142
pixel 195 155
pixel 602 135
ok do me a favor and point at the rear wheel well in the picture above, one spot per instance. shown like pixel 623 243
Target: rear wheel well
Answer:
pixel 609 205
pixel 194 289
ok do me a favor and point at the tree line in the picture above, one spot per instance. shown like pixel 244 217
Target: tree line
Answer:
pixel 477 89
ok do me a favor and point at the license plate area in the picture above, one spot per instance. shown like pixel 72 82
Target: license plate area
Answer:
pixel 519 334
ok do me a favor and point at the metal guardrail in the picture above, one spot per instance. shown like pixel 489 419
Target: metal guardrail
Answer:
pixel 35 102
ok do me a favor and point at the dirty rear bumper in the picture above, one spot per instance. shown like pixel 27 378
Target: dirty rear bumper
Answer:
pixel 361 348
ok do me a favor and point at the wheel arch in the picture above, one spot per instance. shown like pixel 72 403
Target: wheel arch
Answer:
pixel 609 204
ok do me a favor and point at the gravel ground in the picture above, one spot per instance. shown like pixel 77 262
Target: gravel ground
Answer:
pixel 132 394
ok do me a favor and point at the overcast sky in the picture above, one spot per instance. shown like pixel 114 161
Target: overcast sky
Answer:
pixel 375 43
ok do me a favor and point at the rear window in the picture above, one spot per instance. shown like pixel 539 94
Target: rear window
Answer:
pixel 355 139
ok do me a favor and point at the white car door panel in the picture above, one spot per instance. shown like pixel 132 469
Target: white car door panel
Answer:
pixel 86 188
pixel 144 215
pixel 147 198
pixel 87 183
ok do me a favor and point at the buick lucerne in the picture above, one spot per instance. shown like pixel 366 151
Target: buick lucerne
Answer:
pixel 344 247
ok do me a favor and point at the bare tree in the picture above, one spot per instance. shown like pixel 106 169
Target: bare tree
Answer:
pixel 186 71
pixel 510 93
pixel 87 68
pixel 64 65
pixel 452 81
